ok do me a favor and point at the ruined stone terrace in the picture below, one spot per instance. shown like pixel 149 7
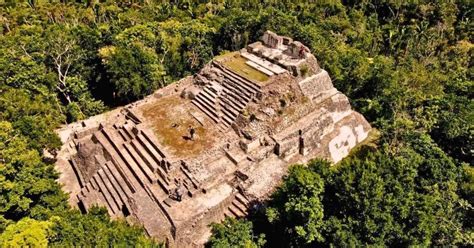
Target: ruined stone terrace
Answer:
pixel 254 112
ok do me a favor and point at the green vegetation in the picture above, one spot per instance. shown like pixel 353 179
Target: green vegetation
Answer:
pixel 237 64
pixel 235 233
pixel 406 66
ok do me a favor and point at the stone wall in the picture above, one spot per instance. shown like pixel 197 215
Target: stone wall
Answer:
pixel 314 85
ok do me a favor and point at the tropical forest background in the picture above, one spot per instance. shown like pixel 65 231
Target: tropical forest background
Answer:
pixel 405 65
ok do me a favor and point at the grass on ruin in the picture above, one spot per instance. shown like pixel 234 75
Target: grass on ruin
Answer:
pixel 237 64
pixel 170 120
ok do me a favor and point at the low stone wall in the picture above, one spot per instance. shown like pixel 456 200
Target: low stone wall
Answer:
pixel 314 85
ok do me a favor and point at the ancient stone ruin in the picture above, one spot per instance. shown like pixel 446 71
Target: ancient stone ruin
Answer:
pixel 211 145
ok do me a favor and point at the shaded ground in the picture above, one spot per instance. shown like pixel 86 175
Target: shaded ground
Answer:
pixel 237 64
pixel 170 119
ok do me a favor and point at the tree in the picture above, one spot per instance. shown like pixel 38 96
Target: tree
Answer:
pixel 63 52
pixel 297 207
pixel 235 233
pixel 406 66
pixel 134 70
pixel 73 228
pixel 27 185
pixel 27 233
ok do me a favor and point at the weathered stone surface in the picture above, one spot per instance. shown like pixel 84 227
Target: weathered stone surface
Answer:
pixel 252 114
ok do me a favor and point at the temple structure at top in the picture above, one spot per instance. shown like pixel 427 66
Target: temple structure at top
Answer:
pixel 210 145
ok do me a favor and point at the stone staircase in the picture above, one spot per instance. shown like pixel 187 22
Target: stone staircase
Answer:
pixel 223 101
pixel 238 208
pixel 207 101
pixel 134 163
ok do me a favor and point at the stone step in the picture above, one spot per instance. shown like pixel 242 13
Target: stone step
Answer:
pixel 118 178
pixel 134 168
pixel 108 198
pixel 240 206
pixel 260 68
pixel 244 88
pixel 207 100
pixel 84 190
pixel 191 178
pixel 250 86
pixel 227 120
pixel 238 89
pixel 156 194
pixel 230 73
pixel 77 172
pixel 155 167
pixel 236 155
pixel 132 116
pixel 118 162
pixel 229 111
pixel 90 199
pixel 188 186
pixel 276 69
pixel 237 101
pixel 237 95
pixel 234 103
pixel 144 156
pixel 128 129
pixel 153 142
pixel 150 149
pixel 255 86
pixel 235 211
pixel 201 107
pixel 98 197
pixel 210 97
pixel 164 186
pixel 141 164
pixel 229 214
pixel 111 189
pixel 211 107
pixel 87 187
pixel 223 127
pixel 117 186
pixel 115 178
pixel 127 163
pixel 230 102
pixel 242 199
pixel 124 136
pixel 94 185
pixel 211 91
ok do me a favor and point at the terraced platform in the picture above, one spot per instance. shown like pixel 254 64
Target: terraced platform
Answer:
pixel 253 113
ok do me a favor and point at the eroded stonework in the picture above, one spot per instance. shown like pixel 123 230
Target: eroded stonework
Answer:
pixel 254 112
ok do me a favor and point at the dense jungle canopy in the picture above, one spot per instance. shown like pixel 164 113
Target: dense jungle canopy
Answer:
pixel 406 66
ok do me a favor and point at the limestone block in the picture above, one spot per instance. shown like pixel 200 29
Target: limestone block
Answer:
pixel 190 92
pixel 340 146
pixel 314 85
pixel 249 146
pixel 296 49
pixel 288 146
pixel 361 133
pixel 272 40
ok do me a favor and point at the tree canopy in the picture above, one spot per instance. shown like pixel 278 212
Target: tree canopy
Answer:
pixel 405 65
